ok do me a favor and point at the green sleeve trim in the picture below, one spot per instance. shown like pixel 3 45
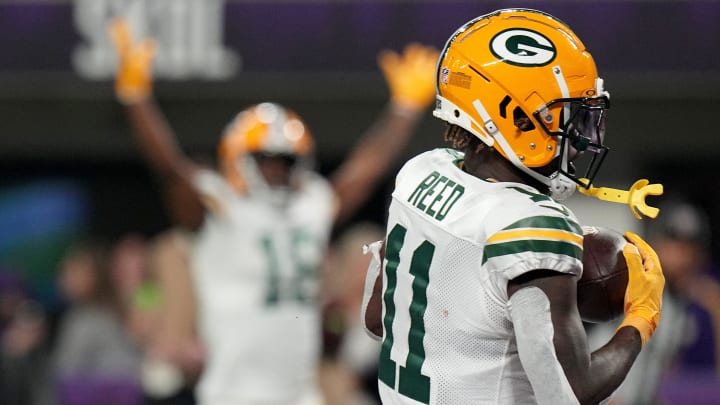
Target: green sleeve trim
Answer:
pixel 531 245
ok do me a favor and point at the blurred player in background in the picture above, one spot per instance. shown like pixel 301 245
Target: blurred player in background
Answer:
pixel 269 218
pixel 477 299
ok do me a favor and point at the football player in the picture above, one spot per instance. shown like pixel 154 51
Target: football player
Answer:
pixel 269 218
pixel 477 299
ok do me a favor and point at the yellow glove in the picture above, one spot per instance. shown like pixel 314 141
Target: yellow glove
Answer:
pixel 410 76
pixel 643 297
pixel 134 75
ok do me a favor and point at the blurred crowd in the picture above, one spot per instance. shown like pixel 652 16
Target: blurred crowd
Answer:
pixel 101 342
pixel 124 332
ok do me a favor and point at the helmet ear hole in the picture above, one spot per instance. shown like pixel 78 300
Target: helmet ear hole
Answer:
pixel 456 113
pixel 522 121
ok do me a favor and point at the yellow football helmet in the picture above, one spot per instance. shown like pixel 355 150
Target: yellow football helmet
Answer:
pixel 522 82
pixel 263 129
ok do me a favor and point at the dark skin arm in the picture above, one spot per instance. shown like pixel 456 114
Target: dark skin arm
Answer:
pixel 372 157
pixel 411 81
pixel 592 376
pixel 158 141
pixel 373 313
pixel 159 146
pixel 153 134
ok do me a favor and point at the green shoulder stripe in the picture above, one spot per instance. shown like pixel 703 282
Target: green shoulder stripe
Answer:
pixel 457 155
pixel 533 196
pixel 554 205
pixel 531 245
pixel 547 222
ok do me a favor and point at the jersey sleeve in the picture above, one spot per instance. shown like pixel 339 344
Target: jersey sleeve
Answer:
pixel 539 241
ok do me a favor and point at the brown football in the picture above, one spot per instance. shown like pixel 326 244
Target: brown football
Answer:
pixel 601 289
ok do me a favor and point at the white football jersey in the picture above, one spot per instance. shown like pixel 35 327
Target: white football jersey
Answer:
pixel 254 268
pixel 453 242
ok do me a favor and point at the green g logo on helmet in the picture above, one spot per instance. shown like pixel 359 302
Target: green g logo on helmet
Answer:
pixel 523 47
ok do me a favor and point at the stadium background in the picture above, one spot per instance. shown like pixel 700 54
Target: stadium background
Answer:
pixel 68 165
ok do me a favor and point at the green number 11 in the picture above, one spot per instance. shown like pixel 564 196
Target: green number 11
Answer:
pixel 410 380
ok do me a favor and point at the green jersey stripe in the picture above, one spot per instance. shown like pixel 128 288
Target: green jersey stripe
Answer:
pixel 531 245
pixel 547 222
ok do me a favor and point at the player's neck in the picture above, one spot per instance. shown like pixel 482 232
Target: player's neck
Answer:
pixel 488 164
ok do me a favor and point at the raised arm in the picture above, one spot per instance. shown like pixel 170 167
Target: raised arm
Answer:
pixel 552 341
pixel 152 132
pixel 411 80
pixel 133 88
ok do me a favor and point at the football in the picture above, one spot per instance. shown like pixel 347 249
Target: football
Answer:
pixel 601 289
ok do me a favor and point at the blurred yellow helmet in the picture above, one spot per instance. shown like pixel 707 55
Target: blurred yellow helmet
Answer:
pixel 522 82
pixel 267 129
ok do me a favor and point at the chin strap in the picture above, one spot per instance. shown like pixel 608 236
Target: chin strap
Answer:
pixel 561 187
pixel 634 197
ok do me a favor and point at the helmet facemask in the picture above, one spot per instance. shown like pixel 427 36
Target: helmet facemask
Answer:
pixel 275 193
pixel 580 136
